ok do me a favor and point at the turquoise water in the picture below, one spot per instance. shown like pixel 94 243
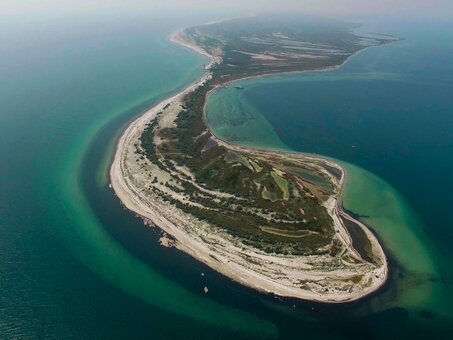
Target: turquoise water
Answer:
pixel 73 262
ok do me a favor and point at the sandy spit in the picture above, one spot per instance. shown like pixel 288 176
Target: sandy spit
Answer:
pixel 230 266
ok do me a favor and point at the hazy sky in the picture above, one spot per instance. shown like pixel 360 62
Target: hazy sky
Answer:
pixel 329 7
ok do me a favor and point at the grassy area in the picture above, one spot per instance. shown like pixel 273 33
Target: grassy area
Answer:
pixel 285 233
pixel 269 195
pixel 260 196
pixel 282 184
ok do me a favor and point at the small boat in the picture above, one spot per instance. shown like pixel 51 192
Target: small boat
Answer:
pixel 239 87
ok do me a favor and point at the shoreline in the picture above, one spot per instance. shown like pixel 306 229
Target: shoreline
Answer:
pixel 134 200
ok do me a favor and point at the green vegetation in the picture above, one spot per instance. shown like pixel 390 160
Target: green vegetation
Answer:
pixel 257 191
pixel 282 184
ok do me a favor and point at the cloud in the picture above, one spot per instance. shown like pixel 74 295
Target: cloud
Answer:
pixel 339 7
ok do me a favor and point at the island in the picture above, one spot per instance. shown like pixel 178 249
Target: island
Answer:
pixel 268 219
